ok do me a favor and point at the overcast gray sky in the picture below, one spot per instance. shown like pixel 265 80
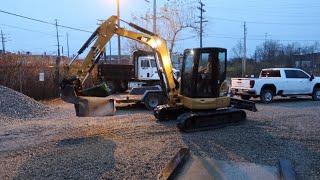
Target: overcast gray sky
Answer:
pixel 284 20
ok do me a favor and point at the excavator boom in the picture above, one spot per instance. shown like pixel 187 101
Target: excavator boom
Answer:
pixel 72 85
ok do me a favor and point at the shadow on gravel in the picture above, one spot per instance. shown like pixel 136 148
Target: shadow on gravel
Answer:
pixel 251 142
pixel 132 108
pixel 80 158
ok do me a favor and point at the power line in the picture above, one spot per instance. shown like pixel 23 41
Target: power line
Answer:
pixel 183 39
pixel 252 36
pixel 264 22
pixel 75 29
pixel 186 38
pixel 25 29
pixel 262 39
pixel 44 22
pixel 25 17
pixel 283 12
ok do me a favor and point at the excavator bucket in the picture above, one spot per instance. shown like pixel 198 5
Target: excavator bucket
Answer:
pixel 94 106
pixel 87 106
pixel 68 94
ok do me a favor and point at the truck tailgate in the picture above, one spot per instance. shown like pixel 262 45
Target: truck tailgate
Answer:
pixel 240 83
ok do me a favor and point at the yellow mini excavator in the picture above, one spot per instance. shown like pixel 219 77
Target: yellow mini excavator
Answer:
pixel 198 102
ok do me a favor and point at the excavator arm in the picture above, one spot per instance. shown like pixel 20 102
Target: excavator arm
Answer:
pixel 164 62
pixel 72 84
pixel 101 36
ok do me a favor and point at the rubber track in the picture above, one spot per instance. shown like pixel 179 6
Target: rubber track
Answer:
pixel 165 112
pixel 206 120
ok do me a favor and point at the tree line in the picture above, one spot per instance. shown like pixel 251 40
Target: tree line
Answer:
pixel 272 53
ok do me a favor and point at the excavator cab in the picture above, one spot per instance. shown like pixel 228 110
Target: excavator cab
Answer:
pixel 203 77
pixel 203 72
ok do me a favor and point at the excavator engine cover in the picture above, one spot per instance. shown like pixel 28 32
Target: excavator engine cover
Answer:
pixel 94 106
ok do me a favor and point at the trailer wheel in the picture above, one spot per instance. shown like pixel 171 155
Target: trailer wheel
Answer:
pixel 152 100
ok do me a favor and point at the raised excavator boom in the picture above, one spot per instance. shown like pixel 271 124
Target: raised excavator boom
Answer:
pixel 203 69
pixel 101 36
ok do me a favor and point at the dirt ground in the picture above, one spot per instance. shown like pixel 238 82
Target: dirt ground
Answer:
pixel 133 145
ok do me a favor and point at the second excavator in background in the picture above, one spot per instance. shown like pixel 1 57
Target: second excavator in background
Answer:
pixel 198 102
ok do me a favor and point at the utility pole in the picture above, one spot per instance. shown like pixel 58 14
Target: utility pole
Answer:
pixel 265 37
pixel 57 73
pixel 3 43
pixel 58 38
pixel 110 50
pixel 265 40
pixel 201 20
pixel 68 45
pixel 244 60
pixel 155 16
pixel 118 14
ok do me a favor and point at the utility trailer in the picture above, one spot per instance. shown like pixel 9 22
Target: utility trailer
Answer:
pixel 137 82
pixel 150 96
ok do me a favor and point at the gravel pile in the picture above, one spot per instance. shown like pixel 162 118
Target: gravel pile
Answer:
pixel 15 105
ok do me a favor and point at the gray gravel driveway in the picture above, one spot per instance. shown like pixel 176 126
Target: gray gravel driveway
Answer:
pixel 133 145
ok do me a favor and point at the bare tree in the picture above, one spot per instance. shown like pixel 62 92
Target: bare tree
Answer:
pixel 269 50
pixel 173 18
pixel 144 21
pixel 237 50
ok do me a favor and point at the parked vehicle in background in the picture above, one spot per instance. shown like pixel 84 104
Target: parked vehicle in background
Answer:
pixel 136 82
pixel 277 82
pixel 141 73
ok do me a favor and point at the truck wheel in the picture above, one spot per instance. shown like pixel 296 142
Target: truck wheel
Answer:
pixel 316 94
pixel 245 97
pixel 266 96
pixel 152 100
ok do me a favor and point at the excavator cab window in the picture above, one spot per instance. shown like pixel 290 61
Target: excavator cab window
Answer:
pixel 203 72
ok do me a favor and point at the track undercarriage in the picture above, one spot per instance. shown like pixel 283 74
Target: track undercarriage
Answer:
pixel 198 120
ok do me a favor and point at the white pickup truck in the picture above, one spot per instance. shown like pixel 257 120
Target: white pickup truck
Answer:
pixel 277 82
